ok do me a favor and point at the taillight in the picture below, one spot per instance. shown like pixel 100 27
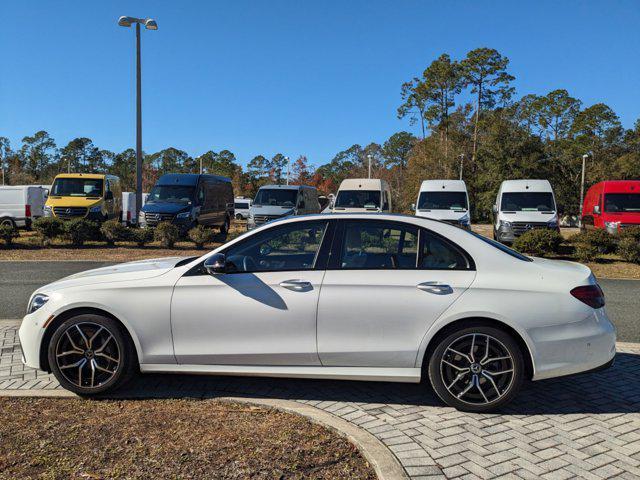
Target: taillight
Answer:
pixel 592 295
pixel 27 211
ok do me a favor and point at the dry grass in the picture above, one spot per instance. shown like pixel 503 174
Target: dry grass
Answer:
pixel 80 439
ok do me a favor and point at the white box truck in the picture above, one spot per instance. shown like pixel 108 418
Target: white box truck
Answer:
pixel 21 204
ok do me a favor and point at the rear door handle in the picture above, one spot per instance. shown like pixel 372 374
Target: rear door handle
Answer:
pixel 436 288
pixel 296 285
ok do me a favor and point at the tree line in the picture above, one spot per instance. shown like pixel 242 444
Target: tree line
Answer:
pixel 470 122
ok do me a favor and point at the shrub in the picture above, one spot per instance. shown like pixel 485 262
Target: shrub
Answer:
pixel 201 235
pixel 586 252
pixel 538 242
pixel 603 241
pixel 79 230
pixel 114 231
pixel 630 232
pixel 629 249
pixel 167 234
pixel 48 228
pixel 8 233
pixel 141 236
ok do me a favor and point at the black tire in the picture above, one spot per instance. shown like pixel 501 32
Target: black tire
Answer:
pixel 79 380
pixel 239 216
pixel 224 228
pixel 8 221
pixel 491 392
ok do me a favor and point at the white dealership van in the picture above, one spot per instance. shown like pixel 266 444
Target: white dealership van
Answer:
pixel 21 204
pixel 445 200
pixel 522 205
pixel 363 195
pixel 129 210
pixel 241 207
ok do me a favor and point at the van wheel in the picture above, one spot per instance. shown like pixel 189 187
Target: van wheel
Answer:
pixel 8 222
pixel 238 216
pixel 476 369
pixel 89 354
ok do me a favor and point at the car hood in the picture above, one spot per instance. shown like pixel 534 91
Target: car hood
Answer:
pixel 271 210
pixel 165 207
pixel 528 216
pixel 441 214
pixel 121 272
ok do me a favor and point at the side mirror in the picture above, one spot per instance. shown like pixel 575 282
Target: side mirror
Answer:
pixel 108 195
pixel 494 209
pixel 413 207
pixel 216 264
pixel 596 209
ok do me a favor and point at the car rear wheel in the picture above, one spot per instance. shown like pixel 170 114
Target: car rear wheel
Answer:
pixel 89 355
pixel 476 369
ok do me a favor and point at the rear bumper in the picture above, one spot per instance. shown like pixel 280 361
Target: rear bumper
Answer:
pixel 572 348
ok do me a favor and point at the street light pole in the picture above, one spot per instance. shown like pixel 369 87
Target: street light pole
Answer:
pixel 149 24
pixel 461 164
pixel 287 160
pixel 369 158
pixel 584 164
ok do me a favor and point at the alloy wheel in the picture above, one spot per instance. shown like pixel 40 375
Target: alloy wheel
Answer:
pixel 477 369
pixel 87 355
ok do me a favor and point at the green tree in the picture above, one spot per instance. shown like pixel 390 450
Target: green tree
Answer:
pixel 485 72
pixel 301 173
pixel 37 154
pixel 81 155
pixel 172 160
pixel 415 99
pixel 558 112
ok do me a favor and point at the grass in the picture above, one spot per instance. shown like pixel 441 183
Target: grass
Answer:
pixel 177 438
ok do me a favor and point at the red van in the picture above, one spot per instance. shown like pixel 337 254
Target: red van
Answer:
pixel 612 204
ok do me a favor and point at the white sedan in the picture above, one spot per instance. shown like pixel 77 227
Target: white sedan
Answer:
pixel 345 296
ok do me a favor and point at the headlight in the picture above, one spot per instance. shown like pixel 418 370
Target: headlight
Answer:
pixel 505 224
pixel 611 227
pixel 36 302
pixel 464 220
pixel 48 211
pixel 183 215
pixel 96 209
pixel 553 223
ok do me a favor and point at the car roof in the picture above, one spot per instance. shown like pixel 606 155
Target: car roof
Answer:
pixel 451 185
pixel 352 183
pixel 286 187
pixel 522 185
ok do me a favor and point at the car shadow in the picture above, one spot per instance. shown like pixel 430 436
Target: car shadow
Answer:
pixel 251 286
pixel 615 390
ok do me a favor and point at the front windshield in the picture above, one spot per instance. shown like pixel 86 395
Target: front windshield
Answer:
pixel 443 201
pixel 77 187
pixel 276 197
pixel 241 206
pixel 171 194
pixel 358 199
pixel 528 202
pixel 622 202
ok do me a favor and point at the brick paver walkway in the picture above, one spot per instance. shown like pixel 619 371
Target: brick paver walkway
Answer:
pixel 580 427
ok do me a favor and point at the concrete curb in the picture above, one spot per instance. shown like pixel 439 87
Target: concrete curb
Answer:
pixel 384 463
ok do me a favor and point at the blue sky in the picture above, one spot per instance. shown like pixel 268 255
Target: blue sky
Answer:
pixel 297 77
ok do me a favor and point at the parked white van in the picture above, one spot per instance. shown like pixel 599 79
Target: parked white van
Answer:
pixel 241 207
pixel 522 205
pixel 21 204
pixel 129 210
pixel 363 195
pixel 445 200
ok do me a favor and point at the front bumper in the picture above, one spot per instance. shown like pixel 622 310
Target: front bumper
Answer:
pixel 577 347
pixel 30 334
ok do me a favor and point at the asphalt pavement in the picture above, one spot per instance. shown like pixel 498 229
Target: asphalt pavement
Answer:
pixel 18 280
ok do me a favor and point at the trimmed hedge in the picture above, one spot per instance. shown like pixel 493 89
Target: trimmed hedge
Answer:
pixel 201 235
pixel 538 242
pixel 629 249
pixel 79 230
pixel 141 236
pixel 48 228
pixel 8 233
pixel 600 239
pixel 167 234
pixel 114 231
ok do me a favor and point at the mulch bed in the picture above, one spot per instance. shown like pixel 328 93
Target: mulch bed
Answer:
pixel 183 438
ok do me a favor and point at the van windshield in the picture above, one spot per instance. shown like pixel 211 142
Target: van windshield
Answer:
pixel 171 194
pixel 77 187
pixel 622 202
pixel 528 202
pixel 276 197
pixel 443 201
pixel 358 199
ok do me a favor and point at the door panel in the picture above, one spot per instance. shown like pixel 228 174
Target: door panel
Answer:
pixel 246 318
pixel 377 318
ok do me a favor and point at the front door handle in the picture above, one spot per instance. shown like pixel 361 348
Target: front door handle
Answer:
pixel 296 285
pixel 436 288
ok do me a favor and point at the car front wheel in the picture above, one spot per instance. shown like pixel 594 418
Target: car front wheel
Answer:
pixel 476 369
pixel 90 355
